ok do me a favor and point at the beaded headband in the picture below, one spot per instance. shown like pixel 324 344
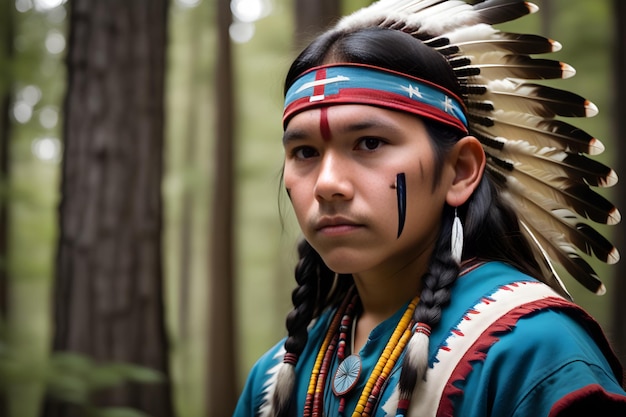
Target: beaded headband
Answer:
pixel 364 84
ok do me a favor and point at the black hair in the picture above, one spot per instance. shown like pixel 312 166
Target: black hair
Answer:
pixel 491 228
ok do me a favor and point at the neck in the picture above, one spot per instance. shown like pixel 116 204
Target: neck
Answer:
pixel 381 299
pixel 384 291
pixel 382 295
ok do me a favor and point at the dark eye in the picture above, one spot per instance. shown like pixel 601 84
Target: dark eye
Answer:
pixel 369 144
pixel 305 152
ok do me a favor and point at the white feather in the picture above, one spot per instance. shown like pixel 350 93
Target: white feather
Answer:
pixel 447 20
pixel 509 95
pixel 557 194
pixel 270 386
pixel 553 278
pixel 457 240
pixel 285 381
pixel 435 16
pixel 548 163
pixel 416 357
pixel 483 38
pixel 556 223
pixel 514 126
pixel 472 33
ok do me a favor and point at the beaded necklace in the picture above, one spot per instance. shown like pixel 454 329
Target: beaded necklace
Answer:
pixel 315 391
pixel 349 369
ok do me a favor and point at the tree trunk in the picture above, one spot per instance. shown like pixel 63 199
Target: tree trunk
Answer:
pixel 6 86
pixel 618 333
pixel 108 290
pixel 222 371
pixel 190 149
pixel 312 17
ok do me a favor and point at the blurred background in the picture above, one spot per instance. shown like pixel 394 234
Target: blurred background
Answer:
pixel 146 251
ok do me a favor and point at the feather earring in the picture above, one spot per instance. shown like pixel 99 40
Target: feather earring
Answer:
pixel 456 241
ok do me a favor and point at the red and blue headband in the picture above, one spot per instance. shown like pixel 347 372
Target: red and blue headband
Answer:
pixel 364 84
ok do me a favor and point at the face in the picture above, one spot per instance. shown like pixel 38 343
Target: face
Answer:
pixel 341 164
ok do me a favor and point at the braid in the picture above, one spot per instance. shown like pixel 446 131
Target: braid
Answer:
pixel 314 281
pixel 435 295
pixel 303 298
pixel 438 280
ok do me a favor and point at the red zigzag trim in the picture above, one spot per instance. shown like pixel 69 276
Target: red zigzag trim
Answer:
pixel 478 351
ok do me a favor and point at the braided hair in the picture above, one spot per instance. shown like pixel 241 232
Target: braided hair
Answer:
pixel 491 228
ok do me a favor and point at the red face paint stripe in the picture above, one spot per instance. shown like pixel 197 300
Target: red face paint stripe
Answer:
pixel 324 125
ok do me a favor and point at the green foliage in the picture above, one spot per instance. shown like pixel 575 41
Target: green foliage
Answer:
pixel 119 412
pixel 73 378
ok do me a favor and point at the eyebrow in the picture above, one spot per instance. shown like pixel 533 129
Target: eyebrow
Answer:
pixel 368 124
pixel 294 135
pixel 300 134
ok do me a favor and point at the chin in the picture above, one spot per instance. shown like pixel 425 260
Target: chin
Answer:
pixel 343 263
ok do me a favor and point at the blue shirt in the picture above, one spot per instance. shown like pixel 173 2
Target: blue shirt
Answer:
pixel 536 359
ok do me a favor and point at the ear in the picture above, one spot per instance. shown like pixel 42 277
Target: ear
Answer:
pixel 468 162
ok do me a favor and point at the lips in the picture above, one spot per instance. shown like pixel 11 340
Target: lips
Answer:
pixel 336 225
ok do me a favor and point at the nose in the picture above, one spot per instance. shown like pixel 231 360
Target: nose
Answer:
pixel 333 181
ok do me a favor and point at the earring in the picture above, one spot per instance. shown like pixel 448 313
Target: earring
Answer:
pixel 456 242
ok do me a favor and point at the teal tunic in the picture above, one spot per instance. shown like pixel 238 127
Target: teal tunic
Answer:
pixel 499 350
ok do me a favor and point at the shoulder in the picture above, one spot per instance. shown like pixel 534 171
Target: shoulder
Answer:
pixel 556 352
pixel 560 359
pixel 259 386
pixel 256 390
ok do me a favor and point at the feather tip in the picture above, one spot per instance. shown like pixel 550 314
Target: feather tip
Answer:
pixel 532 7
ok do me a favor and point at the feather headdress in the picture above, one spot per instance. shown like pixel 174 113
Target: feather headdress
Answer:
pixel 541 163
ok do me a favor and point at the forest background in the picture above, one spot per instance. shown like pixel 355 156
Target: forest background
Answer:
pixel 234 312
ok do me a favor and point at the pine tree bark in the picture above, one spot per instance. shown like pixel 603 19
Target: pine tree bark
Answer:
pixel 108 292
pixel 222 370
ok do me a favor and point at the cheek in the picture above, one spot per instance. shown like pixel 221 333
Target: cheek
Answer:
pixel 297 191
pixel 290 179
pixel 423 202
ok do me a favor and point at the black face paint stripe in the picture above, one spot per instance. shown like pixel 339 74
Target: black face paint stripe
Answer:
pixel 401 194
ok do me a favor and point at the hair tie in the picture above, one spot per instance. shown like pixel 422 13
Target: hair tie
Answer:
pixel 291 358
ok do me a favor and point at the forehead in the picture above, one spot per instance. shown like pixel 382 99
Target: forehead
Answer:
pixel 349 118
